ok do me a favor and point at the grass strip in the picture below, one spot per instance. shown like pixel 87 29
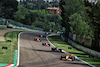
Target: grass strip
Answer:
pixel 3 26
pixel 7 55
pixel 56 40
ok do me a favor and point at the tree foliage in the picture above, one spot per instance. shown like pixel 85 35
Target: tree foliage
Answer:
pixel 69 7
pixel 8 8
pixel 93 11
pixel 38 18
pixel 20 14
pixel 82 18
pixel 79 26
pixel 38 4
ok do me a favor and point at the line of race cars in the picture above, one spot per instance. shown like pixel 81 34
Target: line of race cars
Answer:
pixel 67 56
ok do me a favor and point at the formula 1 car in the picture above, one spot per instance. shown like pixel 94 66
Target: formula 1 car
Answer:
pixel 56 49
pixel 47 33
pixel 45 44
pixel 37 39
pixel 68 57
pixel 42 35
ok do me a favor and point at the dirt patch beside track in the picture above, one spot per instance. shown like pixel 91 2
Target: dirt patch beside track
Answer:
pixel 33 54
pixel 3 31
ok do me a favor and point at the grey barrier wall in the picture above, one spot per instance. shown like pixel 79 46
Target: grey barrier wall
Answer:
pixel 88 42
pixel 87 50
pixel 74 37
pixel 22 26
pixel 62 38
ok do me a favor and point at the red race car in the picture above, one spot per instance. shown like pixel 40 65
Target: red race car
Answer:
pixel 56 49
pixel 45 44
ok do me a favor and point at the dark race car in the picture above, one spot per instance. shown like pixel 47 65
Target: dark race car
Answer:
pixel 37 39
pixel 56 49
pixel 40 35
pixel 47 33
pixel 44 36
pixel 68 57
pixel 45 44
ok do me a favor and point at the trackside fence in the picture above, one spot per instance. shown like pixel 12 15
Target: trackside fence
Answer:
pixel 78 46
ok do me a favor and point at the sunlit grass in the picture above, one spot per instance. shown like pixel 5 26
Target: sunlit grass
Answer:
pixel 7 55
pixel 56 40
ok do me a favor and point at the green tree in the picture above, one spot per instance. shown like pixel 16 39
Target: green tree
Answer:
pixel 47 21
pixel 93 11
pixel 38 18
pixel 35 5
pixel 30 18
pixel 39 4
pixel 69 7
pixel 30 5
pixel 79 26
pixel 20 14
pixel 8 8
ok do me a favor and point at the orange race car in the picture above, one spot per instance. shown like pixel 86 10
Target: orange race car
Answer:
pixel 37 39
pixel 69 57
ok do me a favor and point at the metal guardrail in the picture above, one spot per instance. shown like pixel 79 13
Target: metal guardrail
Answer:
pixel 22 26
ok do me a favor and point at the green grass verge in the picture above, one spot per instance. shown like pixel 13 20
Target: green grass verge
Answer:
pixel 56 40
pixel 7 55
pixel 3 26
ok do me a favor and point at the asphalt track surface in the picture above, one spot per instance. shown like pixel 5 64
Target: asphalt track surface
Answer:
pixel 33 54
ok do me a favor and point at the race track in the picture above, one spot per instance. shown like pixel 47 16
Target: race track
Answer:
pixel 33 54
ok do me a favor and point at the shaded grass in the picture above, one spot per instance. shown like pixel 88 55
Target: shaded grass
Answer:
pixel 56 40
pixel 7 55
